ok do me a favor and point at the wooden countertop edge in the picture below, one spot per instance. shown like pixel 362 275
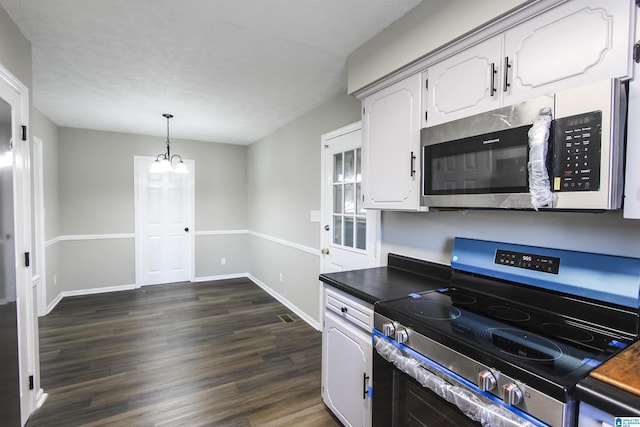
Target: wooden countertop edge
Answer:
pixel 621 385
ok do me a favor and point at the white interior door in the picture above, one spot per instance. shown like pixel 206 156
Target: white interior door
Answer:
pixel 164 224
pixel 350 234
pixel 15 183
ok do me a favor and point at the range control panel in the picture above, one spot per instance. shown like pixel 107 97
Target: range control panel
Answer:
pixel 577 146
pixel 544 264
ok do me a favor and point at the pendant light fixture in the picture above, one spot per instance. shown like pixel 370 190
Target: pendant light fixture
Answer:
pixel 164 161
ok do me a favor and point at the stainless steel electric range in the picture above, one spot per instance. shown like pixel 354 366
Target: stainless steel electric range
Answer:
pixel 505 343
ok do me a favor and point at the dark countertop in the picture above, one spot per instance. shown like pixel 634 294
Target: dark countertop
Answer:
pixel 401 277
pixel 608 398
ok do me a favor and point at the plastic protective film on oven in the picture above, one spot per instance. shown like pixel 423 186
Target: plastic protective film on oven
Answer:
pixel 477 405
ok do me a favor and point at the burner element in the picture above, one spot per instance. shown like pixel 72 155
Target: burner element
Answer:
pixel 567 332
pixel 433 310
pixel 521 344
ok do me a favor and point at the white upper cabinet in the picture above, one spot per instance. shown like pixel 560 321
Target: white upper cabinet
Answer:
pixel 465 84
pixel 391 146
pixel 575 43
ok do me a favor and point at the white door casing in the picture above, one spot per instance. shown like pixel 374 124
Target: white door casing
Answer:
pixel 344 253
pixel 17 96
pixel 165 218
pixel 38 210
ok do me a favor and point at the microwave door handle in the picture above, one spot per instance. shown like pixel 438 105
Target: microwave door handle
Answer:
pixel 412 166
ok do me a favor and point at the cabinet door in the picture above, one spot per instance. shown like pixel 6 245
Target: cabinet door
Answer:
pixel 466 83
pixel 577 42
pixel 391 143
pixel 346 371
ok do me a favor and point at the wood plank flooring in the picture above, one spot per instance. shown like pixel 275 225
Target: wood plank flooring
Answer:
pixel 190 354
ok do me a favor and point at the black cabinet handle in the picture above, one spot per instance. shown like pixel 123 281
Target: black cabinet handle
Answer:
pixel 413 164
pixel 343 309
pixel 365 378
pixel 186 229
pixel 506 85
pixel 492 70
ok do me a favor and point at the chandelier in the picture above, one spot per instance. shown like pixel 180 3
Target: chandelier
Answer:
pixel 165 161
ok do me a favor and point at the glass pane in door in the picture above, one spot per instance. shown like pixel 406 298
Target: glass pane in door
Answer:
pixel 361 233
pixel 337 229
pixel 348 232
pixel 337 168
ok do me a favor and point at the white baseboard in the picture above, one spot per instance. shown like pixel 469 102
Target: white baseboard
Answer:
pixel 91 291
pixel 41 396
pixel 304 316
pixel 220 277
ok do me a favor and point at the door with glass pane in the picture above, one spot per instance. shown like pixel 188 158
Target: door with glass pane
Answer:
pixel 349 232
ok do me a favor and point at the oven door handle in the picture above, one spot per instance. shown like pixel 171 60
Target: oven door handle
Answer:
pixel 465 398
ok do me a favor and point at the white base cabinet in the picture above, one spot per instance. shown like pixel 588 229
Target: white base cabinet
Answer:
pixel 347 358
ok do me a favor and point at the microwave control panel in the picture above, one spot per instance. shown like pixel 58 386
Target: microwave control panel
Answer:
pixel 576 157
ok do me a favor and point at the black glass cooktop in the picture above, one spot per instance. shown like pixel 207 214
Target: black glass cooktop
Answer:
pixel 553 346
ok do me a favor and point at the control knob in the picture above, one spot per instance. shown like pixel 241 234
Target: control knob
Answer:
pixel 389 329
pixel 512 394
pixel 486 381
pixel 402 335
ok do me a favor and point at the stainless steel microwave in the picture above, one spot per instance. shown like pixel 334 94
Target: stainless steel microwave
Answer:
pixel 492 160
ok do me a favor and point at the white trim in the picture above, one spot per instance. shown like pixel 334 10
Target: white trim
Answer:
pixel 76 237
pixel 91 291
pixel 41 397
pixel 95 237
pixel 39 224
pixel 220 232
pixel 220 277
pixel 298 246
pixel 314 324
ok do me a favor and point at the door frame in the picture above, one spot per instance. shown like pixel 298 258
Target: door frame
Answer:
pixel 324 187
pixel 27 328
pixel 191 166
pixel 38 210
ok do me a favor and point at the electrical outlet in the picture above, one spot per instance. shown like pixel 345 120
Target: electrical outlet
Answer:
pixel 281 279
pixel 223 261
pixel 55 279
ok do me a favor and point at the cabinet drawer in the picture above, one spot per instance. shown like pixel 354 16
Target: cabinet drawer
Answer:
pixel 349 309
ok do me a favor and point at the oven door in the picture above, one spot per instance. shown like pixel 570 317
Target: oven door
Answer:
pixel 411 390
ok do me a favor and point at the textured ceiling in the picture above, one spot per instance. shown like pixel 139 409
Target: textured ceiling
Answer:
pixel 230 71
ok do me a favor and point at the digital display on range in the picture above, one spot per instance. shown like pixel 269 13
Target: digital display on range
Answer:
pixel 544 264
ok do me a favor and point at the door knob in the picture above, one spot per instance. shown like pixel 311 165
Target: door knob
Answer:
pixel 326 227
pixel 186 229
pixel 325 251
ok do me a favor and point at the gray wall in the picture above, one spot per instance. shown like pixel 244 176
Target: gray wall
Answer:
pixel 283 188
pixel 429 235
pixel 425 28
pixel 96 197
pixel 15 49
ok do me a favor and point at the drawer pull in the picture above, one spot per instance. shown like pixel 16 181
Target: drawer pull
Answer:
pixel 343 309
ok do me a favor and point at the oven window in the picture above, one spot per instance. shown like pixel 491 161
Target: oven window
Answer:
pixel 418 406
pixel 399 400
pixel 486 164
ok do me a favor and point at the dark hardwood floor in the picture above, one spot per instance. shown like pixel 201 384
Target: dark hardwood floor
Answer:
pixel 192 354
